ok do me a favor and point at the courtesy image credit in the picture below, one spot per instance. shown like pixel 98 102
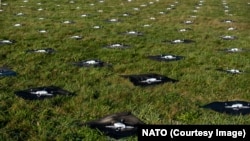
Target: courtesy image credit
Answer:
pixel 208 132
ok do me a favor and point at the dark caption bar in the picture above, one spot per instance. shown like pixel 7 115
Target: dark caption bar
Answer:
pixel 204 132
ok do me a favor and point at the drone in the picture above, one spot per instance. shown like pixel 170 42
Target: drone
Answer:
pixel 136 33
pixel 188 22
pixel 4 71
pixel 184 29
pixel 228 37
pixel 151 80
pixel 7 42
pixel 90 63
pixel 46 50
pixel 42 31
pixel 96 27
pixel 76 37
pixel 113 20
pixel 148 79
pixel 179 41
pixel 117 45
pixel 237 106
pixel 162 12
pixel 19 14
pixel 40 93
pixel 230 107
pixel 233 50
pixel 232 71
pixel 227 21
pixel 118 125
pixel 84 15
pixel 231 28
pixel 166 57
pixel 68 22
pixel 17 25
pixel 126 14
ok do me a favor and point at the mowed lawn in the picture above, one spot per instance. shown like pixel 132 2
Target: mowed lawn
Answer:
pixel 102 91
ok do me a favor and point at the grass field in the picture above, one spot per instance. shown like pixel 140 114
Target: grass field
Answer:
pixel 101 91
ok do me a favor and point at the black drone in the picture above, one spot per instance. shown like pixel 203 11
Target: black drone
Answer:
pixel 40 93
pixel 165 57
pixel 148 79
pixel 184 29
pixel 227 21
pixel 85 15
pixel 180 41
pixel 230 107
pixel 68 22
pixel 231 28
pixel 233 50
pixel 7 42
pixel 90 63
pixel 188 22
pixel 19 14
pixel 76 37
pixel 46 50
pixel 228 37
pixel 126 14
pixel 113 20
pixel 117 45
pixel 5 71
pixel 118 125
pixel 230 71
pixel 133 33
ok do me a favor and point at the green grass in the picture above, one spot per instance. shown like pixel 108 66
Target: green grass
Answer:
pixel 101 91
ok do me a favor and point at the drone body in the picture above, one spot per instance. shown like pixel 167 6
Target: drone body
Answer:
pixel 117 45
pixel 133 33
pixel 228 37
pixel 166 57
pixel 188 22
pixel 148 79
pixel 68 22
pixel 76 37
pixel 231 28
pixel 7 42
pixel 4 71
pixel 180 41
pixel 233 50
pixel 230 71
pixel 40 93
pixel 113 20
pixel 230 107
pixel 184 29
pixel 46 50
pixel 227 21
pixel 42 31
pixel 118 125
pixel 90 63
